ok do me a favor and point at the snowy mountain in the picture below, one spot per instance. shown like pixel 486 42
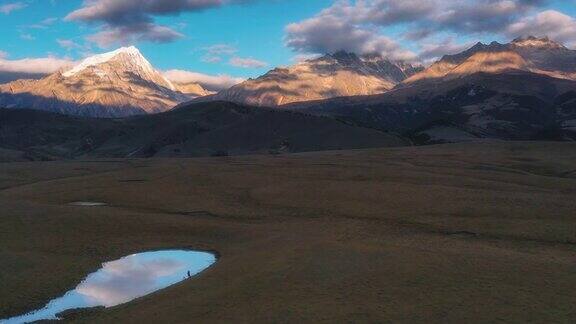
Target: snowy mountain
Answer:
pixel 115 84
pixel 333 75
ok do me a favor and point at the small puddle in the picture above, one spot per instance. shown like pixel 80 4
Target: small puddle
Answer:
pixel 123 280
pixel 87 204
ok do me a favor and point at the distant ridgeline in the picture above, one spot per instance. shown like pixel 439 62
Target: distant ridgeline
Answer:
pixel 203 129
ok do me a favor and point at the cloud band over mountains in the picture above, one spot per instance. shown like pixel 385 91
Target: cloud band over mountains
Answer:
pixel 414 30
pixel 357 26
pixel 407 29
pixel 30 68
pixel 209 82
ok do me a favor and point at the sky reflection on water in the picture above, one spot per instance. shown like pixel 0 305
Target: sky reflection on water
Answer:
pixel 123 280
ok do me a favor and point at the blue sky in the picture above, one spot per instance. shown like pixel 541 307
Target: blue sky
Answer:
pixel 255 30
pixel 245 40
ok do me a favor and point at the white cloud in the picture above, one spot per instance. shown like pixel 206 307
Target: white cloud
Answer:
pixel 327 33
pixel 9 7
pixel 364 26
pixel 554 24
pixel 125 35
pixel 28 37
pixel 210 82
pixel 44 23
pixel 130 21
pixel 44 65
pixel 248 63
pixel 68 44
pixel 221 49
pixel 123 12
pixel 211 58
pixel 430 52
pixel 305 57
pixel 215 52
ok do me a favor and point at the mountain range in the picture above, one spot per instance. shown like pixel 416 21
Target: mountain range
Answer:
pixel 530 54
pixel 333 75
pixel 123 83
pixel 522 90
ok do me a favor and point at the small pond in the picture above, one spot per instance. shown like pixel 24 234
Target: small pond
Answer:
pixel 88 204
pixel 123 280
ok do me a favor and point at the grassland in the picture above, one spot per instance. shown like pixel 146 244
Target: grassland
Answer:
pixel 440 234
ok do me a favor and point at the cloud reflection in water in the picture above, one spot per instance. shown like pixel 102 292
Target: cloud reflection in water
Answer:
pixel 123 280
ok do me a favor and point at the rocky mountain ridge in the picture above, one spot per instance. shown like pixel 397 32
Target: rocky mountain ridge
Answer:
pixel 333 75
pixel 524 90
pixel 528 54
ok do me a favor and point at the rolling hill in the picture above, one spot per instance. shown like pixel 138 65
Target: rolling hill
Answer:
pixel 204 129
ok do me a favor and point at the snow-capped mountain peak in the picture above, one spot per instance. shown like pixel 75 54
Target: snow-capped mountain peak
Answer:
pixel 132 52
pixel 114 84
pixel 124 60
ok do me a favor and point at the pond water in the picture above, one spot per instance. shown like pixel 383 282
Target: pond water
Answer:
pixel 88 204
pixel 123 280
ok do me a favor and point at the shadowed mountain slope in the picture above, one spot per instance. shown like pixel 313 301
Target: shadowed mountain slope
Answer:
pixel 511 106
pixel 204 129
pixel 518 91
